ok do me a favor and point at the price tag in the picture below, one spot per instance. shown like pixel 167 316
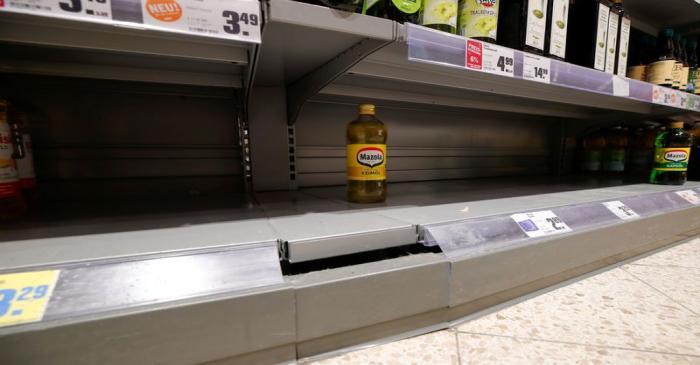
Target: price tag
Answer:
pixel 475 54
pixel 229 19
pixel 691 102
pixel 539 224
pixel 621 86
pixel 621 210
pixel 24 296
pixel 536 68
pixel 682 99
pixel 498 60
pixel 690 196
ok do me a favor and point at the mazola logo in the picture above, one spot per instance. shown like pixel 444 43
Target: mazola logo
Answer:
pixel 676 155
pixel 370 156
pixel 164 10
pixel 486 3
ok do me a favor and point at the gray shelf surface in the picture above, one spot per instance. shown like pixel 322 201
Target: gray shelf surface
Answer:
pixel 47 46
pixel 312 223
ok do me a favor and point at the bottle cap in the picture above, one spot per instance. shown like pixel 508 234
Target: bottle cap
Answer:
pixel 367 109
pixel 667 32
pixel 676 124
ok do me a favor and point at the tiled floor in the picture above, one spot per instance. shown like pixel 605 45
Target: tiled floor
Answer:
pixel 644 312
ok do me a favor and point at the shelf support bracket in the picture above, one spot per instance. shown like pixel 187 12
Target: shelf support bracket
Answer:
pixel 303 89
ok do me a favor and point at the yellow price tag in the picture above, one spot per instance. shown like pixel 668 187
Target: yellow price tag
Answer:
pixel 24 296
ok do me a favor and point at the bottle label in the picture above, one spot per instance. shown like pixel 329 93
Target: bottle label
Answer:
pixel 25 165
pixel 366 161
pixel 611 43
pixel 661 72
pixel 478 18
pixel 671 159
pixel 601 37
pixel 560 19
pixel 624 46
pixel 676 74
pixel 615 160
pixel 592 160
pixel 407 6
pixel 440 12
pixel 637 72
pixel 536 23
pixel 692 80
pixel 685 73
pixel 9 181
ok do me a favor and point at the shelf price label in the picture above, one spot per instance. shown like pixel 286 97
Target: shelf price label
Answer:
pixel 474 55
pixel 536 68
pixel 621 86
pixel 690 196
pixel 229 19
pixel 498 60
pixel 24 296
pixel 682 99
pixel 540 224
pixel 621 210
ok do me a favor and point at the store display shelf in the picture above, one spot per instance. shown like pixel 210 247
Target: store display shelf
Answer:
pixel 427 67
pixel 41 45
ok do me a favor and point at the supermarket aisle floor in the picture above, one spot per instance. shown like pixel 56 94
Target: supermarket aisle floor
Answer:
pixel 644 312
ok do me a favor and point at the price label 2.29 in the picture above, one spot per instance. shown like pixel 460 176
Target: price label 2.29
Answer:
pixel 24 296
pixel 536 68
pixel 539 224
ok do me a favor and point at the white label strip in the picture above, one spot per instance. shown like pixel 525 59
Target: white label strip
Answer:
pixel 621 210
pixel 690 196
pixel 539 224
pixel 536 68
pixel 228 19
pixel 621 87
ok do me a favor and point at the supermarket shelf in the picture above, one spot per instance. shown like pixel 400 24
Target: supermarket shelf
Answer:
pixel 60 47
pixel 435 76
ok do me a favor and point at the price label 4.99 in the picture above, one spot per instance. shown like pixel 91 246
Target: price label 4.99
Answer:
pixel 24 296
pixel 536 68
pixel 498 60
pixel 539 224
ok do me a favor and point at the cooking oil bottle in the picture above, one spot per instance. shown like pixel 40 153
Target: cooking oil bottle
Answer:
pixel 366 157
pixel 593 146
pixel 671 155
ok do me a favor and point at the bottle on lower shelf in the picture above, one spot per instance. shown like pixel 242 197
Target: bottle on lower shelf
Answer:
pixel 671 155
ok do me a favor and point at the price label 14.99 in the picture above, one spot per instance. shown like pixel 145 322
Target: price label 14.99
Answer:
pixel 24 296
pixel 536 68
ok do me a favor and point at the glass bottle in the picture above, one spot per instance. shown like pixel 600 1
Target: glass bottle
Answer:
pixel 678 66
pixel 616 150
pixel 366 157
pixel 593 147
pixel 440 15
pixel 685 71
pixel 404 11
pixel 346 5
pixel 694 163
pixel 374 8
pixel 660 72
pixel 558 15
pixel 693 75
pixel 478 19
pixel 671 154
pixel 588 35
pixel 522 25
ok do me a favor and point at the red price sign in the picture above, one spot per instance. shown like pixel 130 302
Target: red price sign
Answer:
pixel 475 54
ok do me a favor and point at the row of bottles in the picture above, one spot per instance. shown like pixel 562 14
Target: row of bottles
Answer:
pixel 599 29
pixel 670 61
pixel 660 153
pixel 17 177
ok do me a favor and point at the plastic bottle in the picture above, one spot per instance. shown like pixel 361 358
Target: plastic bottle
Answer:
pixel 671 155
pixel 366 157
pixel 593 147
pixel 616 150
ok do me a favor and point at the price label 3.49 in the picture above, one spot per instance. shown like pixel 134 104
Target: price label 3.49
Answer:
pixel 24 296
pixel 540 224
pixel 536 68
pixel 498 60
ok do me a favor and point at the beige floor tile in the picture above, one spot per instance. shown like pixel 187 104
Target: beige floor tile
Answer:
pixel 684 255
pixel 432 348
pixel 485 349
pixel 680 283
pixel 610 309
